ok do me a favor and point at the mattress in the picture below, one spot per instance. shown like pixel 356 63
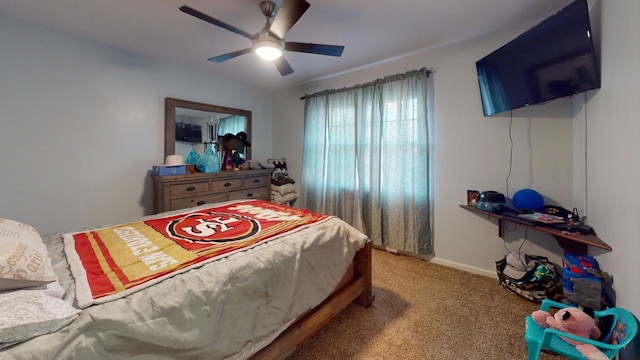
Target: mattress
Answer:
pixel 228 308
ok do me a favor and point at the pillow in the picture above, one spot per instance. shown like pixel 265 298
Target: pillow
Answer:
pixel 24 261
pixel 280 168
pixel 30 312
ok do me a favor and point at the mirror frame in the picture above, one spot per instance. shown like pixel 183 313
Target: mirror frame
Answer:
pixel 170 105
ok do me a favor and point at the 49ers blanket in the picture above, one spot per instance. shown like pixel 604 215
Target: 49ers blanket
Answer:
pixel 112 262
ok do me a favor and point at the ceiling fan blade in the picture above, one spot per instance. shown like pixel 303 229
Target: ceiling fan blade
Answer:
pixel 231 55
pixel 283 66
pixel 321 49
pixel 288 14
pixel 202 16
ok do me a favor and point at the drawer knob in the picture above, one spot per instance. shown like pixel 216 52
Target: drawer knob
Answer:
pixel 255 181
pixel 249 194
pixel 201 202
pixel 191 188
pixel 227 184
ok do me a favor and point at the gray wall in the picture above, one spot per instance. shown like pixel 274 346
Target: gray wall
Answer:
pixel 81 125
pixel 471 151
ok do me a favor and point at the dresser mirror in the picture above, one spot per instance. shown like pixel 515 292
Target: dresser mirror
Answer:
pixel 196 126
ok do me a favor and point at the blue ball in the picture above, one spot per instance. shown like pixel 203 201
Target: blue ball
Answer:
pixel 528 199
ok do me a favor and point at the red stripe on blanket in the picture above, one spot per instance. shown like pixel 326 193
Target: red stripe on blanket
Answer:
pixel 125 258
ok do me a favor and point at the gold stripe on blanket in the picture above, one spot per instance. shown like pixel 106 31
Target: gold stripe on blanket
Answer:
pixel 114 261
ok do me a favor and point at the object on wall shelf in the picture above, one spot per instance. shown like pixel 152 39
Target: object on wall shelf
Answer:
pixel 569 242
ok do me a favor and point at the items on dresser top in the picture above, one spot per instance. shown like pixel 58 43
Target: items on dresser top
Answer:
pixel 173 165
pixel 173 160
pixel 184 191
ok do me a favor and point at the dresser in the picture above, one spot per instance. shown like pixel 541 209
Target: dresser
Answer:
pixel 176 192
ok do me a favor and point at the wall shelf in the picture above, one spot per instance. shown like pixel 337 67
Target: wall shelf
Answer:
pixel 569 242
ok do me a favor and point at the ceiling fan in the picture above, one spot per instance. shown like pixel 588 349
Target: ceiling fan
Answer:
pixel 269 42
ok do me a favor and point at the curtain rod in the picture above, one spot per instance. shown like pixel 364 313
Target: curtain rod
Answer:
pixel 381 80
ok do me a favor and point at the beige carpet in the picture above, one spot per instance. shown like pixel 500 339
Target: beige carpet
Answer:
pixel 426 311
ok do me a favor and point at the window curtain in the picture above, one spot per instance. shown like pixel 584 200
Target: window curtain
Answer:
pixel 366 159
pixel 231 125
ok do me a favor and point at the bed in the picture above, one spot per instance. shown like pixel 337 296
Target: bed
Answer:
pixel 260 301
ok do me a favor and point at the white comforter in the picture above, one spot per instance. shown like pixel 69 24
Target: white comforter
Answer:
pixel 228 308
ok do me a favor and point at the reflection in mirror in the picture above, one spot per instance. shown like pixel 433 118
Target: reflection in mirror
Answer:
pixel 199 130
pixel 197 126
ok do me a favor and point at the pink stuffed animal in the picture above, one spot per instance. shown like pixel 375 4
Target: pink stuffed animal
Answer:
pixel 573 321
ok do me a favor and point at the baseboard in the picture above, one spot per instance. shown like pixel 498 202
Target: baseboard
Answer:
pixel 463 267
pixel 447 263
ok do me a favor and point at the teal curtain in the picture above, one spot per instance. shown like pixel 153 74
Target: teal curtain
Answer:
pixel 366 159
pixel 231 125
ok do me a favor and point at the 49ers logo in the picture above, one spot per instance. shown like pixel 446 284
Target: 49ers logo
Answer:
pixel 216 227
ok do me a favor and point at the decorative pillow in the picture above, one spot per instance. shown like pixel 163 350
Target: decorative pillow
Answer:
pixel 280 168
pixel 24 261
pixel 29 313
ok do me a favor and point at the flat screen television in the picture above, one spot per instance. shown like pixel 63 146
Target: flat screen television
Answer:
pixel 554 59
pixel 189 132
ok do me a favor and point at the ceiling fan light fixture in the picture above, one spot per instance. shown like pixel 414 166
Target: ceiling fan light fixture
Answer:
pixel 268 50
pixel 269 43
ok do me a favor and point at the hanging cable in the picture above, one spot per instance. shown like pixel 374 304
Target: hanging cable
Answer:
pixel 526 238
pixel 510 152
pixel 586 162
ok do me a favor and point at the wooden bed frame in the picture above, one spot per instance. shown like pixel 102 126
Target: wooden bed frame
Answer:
pixel 357 288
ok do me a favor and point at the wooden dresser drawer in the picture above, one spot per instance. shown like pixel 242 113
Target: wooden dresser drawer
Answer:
pixel 175 192
pixel 256 193
pixel 228 184
pixel 190 188
pixel 256 181
pixel 177 204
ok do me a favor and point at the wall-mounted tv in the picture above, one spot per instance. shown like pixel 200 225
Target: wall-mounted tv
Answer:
pixel 188 132
pixel 554 59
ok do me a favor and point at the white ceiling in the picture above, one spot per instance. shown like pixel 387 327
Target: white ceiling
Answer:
pixel 372 31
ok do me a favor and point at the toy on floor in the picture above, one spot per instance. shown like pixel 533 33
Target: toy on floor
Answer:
pixel 573 321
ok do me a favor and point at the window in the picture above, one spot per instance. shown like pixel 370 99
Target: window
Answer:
pixel 365 159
